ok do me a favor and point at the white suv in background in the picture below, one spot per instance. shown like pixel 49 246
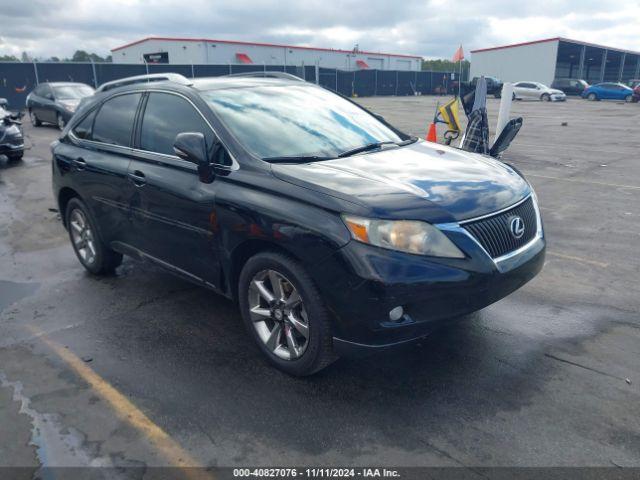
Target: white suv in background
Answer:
pixel 537 91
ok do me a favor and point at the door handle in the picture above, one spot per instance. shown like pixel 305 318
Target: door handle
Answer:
pixel 138 178
pixel 80 163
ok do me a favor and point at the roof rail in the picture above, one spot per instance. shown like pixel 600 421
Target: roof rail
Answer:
pixel 152 77
pixel 267 74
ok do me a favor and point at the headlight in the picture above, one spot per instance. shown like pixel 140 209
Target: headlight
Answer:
pixel 404 235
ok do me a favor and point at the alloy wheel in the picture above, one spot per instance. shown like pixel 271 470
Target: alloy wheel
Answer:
pixel 61 122
pixel 82 236
pixel 278 314
pixel 33 118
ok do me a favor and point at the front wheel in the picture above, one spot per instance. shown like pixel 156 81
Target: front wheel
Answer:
pixel 15 157
pixel 60 122
pixel 545 97
pixel 93 254
pixel 628 98
pixel 284 313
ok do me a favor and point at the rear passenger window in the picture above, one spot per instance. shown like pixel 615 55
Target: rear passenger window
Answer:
pixel 114 121
pixel 166 116
pixel 83 129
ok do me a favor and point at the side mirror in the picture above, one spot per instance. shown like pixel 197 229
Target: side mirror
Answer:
pixel 4 103
pixel 192 147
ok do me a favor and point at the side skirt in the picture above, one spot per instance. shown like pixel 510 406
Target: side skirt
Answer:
pixel 141 256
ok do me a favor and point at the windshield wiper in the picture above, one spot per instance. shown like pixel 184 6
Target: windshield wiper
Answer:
pixel 374 146
pixel 297 159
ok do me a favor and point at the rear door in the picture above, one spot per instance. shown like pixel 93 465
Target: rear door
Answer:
pixel 524 90
pixel 173 212
pixel 100 163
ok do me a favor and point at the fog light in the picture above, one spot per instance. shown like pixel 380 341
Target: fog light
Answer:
pixel 396 314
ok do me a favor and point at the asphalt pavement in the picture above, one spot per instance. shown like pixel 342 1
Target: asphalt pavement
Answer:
pixel 144 369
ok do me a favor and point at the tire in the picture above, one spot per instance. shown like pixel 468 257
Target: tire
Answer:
pixel 15 157
pixel 34 119
pixel 497 95
pixel 513 96
pixel 592 96
pixel 95 256
pixel 545 97
pixel 311 353
pixel 60 122
pixel 628 98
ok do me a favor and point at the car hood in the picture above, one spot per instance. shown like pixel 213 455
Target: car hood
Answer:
pixel 555 90
pixel 421 181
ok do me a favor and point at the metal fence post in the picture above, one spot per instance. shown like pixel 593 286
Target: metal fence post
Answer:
pixel 95 77
pixel 353 84
pixel 317 74
pixel 35 69
pixel 396 83
pixel 336 71
pixel 375 88
pixel 193 73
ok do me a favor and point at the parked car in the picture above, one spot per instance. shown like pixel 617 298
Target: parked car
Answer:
pixel 494 85
pixel 55 102
pixel 334 231
pixel 537 91
pixel 570 86
pixel 635 86
pixel 11 136
pixel 608 91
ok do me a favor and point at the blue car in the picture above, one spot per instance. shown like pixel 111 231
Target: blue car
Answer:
pixel 608 91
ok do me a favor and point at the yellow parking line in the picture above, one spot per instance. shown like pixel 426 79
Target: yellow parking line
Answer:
pixel 174 453
pixel 578 259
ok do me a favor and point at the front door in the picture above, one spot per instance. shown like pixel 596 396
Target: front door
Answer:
pixel 173 213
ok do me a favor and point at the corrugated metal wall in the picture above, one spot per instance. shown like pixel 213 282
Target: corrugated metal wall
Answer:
pixel 18 79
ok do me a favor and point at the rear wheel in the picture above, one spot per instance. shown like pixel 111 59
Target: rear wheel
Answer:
pixel 93 254
pixel 284 313
pixel 15 157
pixel 592 96
pixel 34 119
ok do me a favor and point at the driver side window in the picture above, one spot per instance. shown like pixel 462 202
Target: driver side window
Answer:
pixel 165 116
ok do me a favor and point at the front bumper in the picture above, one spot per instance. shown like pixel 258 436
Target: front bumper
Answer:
pixel 7 149
pixel 558 98
pixel 432 291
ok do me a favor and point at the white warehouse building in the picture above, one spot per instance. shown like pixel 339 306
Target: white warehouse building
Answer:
pixel 227 52
pixel 556 58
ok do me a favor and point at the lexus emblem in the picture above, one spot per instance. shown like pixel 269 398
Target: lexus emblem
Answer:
pixel 516 225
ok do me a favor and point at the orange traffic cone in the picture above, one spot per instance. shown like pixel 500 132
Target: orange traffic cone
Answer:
pixel 432 135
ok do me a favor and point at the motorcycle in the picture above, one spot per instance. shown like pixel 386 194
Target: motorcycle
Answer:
pixel 11 135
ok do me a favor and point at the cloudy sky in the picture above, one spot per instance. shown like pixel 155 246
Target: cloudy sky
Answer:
pixel 431 28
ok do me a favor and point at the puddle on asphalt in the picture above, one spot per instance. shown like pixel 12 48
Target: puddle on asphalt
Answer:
pixel 11 292
pixel 56 445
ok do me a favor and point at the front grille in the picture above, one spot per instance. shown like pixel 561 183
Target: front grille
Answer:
pixel 494 233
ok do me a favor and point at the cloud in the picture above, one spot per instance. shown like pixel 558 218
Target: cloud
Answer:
pixel 431 28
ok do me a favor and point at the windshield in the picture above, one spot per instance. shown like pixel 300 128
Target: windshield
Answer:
pixel 72 92
pixel 296 121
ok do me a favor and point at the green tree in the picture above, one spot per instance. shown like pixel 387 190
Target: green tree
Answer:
pixel 83 56
pixel 8 58
pixel 440 65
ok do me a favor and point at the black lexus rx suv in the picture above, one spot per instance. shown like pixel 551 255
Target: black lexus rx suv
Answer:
pixel 334 231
